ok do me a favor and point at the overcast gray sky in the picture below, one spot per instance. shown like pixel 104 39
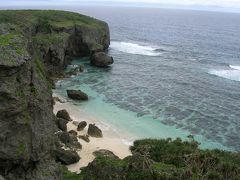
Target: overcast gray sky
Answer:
pixel 208 4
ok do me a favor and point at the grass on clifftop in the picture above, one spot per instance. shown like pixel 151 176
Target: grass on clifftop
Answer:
pixel 14 41
pixel 50 39
pixel 26 18
pixel 13 49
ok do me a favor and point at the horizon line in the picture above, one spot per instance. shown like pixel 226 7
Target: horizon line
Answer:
pixel 131 5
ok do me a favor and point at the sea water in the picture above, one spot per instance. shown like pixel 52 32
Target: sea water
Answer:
pixel 176 73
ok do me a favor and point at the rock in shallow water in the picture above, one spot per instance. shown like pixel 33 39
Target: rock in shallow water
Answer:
pixel 77 95
pixel 94 131
pixel 101 59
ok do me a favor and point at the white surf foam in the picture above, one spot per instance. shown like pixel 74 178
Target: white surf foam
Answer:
pixel 228 74
pixel 133 48
pixel 127 142
pixel 235 67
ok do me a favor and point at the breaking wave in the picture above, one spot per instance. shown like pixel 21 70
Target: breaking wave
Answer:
pixel 232 74
pixel 133 48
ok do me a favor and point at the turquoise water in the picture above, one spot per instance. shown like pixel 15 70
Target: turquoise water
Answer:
pixel 128 124
pixel 176 73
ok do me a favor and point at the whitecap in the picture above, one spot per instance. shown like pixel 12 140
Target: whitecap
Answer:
pixel 235 67
pixel 228 74
pixel 133 48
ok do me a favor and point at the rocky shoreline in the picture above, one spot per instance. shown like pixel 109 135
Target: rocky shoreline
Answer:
pixel 36 46
pixel 92 135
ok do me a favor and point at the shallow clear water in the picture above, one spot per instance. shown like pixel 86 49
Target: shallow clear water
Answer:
pixel 175 73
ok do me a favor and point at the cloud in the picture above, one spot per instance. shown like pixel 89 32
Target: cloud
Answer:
pixel 217 3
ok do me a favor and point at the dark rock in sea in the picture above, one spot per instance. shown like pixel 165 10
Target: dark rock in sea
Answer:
pixel 101 59
pixel 77 95
pixel 69 140
pixel 62 124
pixel 105 153
pixel 66 157
pixel 84 137
pixel 64 115
pixel 81 125
pixel 72 132
pixel 94 131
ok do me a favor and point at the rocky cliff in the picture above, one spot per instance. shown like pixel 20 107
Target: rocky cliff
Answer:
pixel 36 46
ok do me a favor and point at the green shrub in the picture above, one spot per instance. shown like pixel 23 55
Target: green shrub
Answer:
pixel 67 175
pixel 166 159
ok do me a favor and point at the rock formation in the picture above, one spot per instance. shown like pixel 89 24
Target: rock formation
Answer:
pixel 62 124
pixel 35 47
pixel 81 125
pixel 69 140
pixel 72 132
pixel 63 114
pixel 66 157
pixel 77 69
pixel 77 95
pixel 94 131
pixel 101 59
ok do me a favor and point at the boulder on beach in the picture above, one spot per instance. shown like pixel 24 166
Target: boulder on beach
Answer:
pixel 66 157
pixel 62 124
pixel 84 137
pixel 101 59
pixel 104 153
pixel 94 131
pixel 77 95
pixel 81 125
pixel 69 140
pixel 63 114
pixel 72 132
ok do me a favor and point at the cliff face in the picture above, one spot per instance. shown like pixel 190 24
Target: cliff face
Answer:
pixel 36 45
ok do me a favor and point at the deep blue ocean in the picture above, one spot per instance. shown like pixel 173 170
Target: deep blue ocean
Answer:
pixel 176 72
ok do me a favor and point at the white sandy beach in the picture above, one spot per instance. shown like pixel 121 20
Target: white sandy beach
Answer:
pixel 110 141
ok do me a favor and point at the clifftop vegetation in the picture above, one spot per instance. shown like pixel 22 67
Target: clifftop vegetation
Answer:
pixel 164 159
pixel 47 18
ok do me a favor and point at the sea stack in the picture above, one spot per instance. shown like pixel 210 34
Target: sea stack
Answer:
pixel 101 59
